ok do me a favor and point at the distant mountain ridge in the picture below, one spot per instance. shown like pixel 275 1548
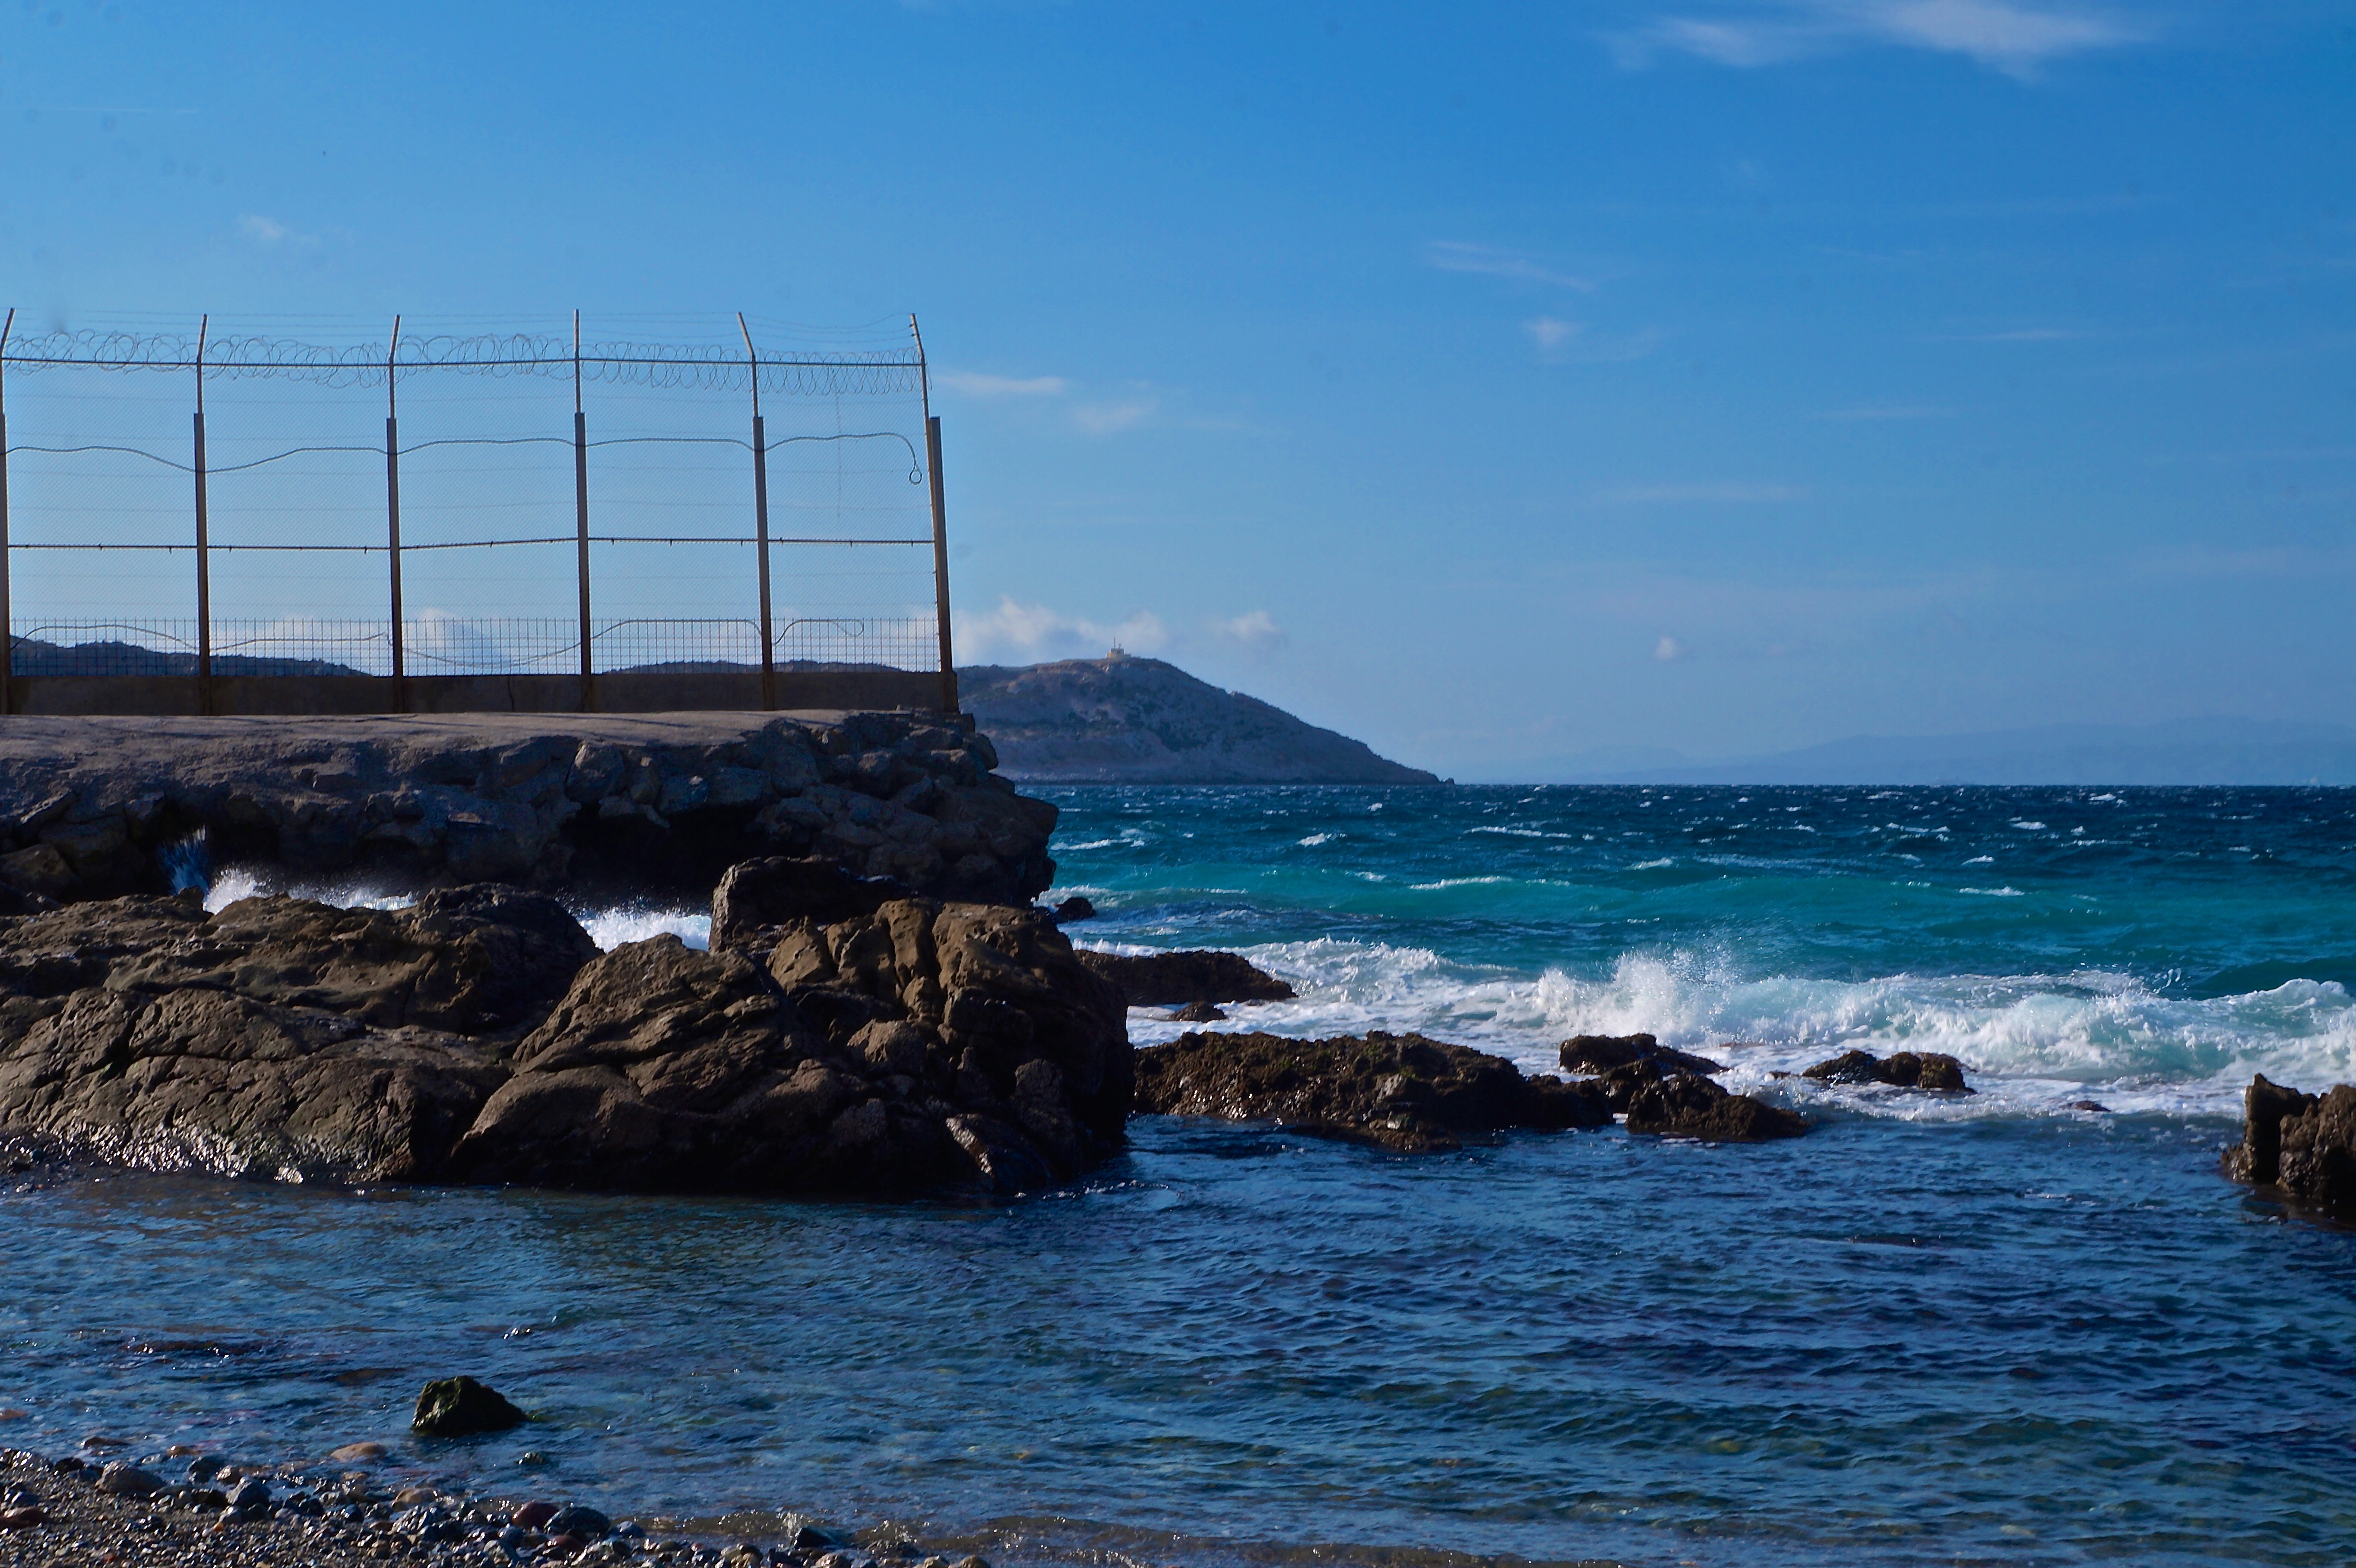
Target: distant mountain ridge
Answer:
pixel 2182 752
pixel 1120 719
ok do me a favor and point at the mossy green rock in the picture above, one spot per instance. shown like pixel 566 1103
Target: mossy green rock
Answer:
pixel 455 1407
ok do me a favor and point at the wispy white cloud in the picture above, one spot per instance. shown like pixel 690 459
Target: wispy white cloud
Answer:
pixel 1488 260
pixel 1105 419
pixel 1255 631
pixel 261 230
pixel 1032 632
pixel 1668 650
pixel 975 384
pixel 2014 37
pixel 1551 332
pixel 1735 493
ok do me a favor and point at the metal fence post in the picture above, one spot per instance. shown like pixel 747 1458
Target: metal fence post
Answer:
pixel 7 626
pixel 941 563
pixel 204 545
pixel 581 516
pixel 392 518
pixel 761 520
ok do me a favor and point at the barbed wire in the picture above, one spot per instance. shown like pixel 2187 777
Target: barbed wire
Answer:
pixel 665 367
pixel 916 466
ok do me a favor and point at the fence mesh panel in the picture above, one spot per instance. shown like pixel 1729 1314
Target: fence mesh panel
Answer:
pixel 102 474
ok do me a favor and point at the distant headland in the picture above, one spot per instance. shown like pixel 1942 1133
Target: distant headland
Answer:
pixel 1120 719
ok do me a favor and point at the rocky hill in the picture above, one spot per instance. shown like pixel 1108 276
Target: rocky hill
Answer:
pixel 1119 720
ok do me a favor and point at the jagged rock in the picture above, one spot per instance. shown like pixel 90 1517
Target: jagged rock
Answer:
pixel 756 898
pixel 1073 908
pixel 1400 1092
pixel 2303 1145
pixel 92 807
pixel 1904 1070
pixel 1199 1013
pixel 907 1045
pixel 1597 1054
pixel 1173 979
pixel 279 1037
pixel 459 1407
pixel 1687 1105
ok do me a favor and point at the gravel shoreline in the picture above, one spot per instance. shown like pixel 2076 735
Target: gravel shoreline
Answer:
pixel 190 1509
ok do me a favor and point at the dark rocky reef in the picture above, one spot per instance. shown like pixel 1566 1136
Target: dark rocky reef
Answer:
pixel 2301 1146
pixel 480 1036
pixel 1178 979
pixel 1904 1069
pixel 1398 1092
pixel 97 807
pixel 1670 1092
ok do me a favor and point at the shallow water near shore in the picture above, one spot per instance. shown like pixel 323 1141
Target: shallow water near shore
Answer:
pixel 1992 1328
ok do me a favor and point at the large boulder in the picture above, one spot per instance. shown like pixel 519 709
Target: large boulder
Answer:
pixel 278 1037
pixel 2303 1145
pixel 1400 1092
pixel 1175 979
pixel 1597 1054
pixel 909 1045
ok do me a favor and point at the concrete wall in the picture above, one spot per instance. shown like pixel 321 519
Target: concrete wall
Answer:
pixel 636 692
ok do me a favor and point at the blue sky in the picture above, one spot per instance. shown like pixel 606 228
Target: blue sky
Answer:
pixel 1493 382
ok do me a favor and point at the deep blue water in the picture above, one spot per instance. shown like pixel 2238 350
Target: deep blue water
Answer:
pixel 1995 1331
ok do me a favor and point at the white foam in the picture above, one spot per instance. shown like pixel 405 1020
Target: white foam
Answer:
pixel 611 928
pixel 235 883
pixel 2031 1043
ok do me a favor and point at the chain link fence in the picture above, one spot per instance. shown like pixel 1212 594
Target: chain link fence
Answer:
pixel 228 504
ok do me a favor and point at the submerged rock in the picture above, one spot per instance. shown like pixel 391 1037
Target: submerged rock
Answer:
pixel 1399 1091
pixel 459 1407
pixel 1175 979
pixel 1904 1069
pixel 1687 1105
pixel 2302 1145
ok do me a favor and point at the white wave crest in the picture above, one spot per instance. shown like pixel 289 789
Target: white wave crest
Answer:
pixel 2031 1043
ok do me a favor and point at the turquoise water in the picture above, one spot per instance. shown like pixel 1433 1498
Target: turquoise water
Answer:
pixel 1998 1330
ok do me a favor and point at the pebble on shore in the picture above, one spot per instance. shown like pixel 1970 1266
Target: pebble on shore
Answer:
pixel 233 1516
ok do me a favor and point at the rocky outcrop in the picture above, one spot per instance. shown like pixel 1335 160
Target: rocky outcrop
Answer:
pixel 278 1037
pixel 1398 1092
pixel 99 808
pixel 1687 1105
pixel 1177 979
pixel 1668 1093
pixel 2302 1145
pixel 481 1037
pixel 1141 721
pixel 1902 1070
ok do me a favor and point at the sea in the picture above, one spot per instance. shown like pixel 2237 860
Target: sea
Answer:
pixel 2029 1325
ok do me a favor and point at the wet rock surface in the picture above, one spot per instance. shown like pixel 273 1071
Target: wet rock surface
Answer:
pixel 277 1038
pixel 1688 1105
pixel 1397 1092
pixel 2302 1145
pixel 97 807
pixel 1177 979
pixel 1668 1093
pixel 479 1036
pixel 460 1406
pixel 1901 1070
